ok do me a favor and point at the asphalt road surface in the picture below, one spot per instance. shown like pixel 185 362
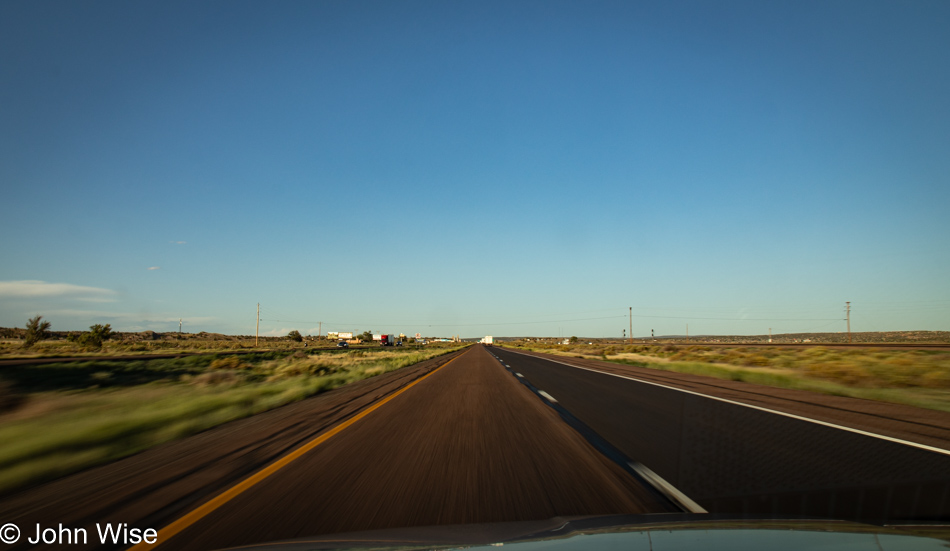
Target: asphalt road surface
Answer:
pixel 733 459
pixel 494 435
pixel 468 444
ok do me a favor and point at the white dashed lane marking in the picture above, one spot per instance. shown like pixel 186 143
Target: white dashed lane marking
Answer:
pixel 547 396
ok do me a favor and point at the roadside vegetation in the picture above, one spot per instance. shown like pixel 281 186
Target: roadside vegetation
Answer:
pixel 35 331
pixel 76 343
pixel 915 377
pixel 36 340
pixel 59 418
pixel 98 343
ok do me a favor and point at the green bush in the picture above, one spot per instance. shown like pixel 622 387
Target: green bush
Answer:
pixel 96 335
pixel 36 330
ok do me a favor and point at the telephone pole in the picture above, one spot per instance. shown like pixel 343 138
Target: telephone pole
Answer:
pixel 179 328
pixel 320 330
pixel 847 309
pixel 687 333
pixel 257 331
pixel 631 325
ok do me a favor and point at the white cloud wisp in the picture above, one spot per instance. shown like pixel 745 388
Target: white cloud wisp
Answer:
pixel 30 288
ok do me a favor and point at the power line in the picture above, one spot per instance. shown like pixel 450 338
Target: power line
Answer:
pixel 539 322
pixel 899 306
pixel 814 329
pixel 740 319
pixel 447 324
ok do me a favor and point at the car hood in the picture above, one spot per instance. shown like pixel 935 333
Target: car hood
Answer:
pixel 634 533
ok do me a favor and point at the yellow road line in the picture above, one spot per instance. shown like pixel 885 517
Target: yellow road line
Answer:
pixel 209 506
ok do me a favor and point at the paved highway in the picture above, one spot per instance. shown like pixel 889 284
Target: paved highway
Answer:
pixel 791 455
pixel 468 444
pixel 463 442
pixel 494 435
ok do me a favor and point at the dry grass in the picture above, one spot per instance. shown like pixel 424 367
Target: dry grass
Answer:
pixel 13 348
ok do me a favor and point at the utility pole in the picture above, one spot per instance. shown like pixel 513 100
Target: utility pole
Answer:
pixel 687 333
pixel 847 307
pixel 631 325
pixel 320 330
pixel 179 328
pixel 257 332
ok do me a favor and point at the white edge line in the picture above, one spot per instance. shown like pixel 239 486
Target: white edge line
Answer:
pixel 666 488
pixel 782 413
pixel 547 396
pixel 520 375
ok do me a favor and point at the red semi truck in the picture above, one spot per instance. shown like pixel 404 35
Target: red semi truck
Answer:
pixel 387 340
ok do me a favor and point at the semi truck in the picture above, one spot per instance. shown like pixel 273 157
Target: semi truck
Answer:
pixel 387 340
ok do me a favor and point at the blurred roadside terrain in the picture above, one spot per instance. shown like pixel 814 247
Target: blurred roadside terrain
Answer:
pixel 65 408
pixel 65 343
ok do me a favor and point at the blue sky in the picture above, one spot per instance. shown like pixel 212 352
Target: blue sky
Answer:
pixel 509 168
